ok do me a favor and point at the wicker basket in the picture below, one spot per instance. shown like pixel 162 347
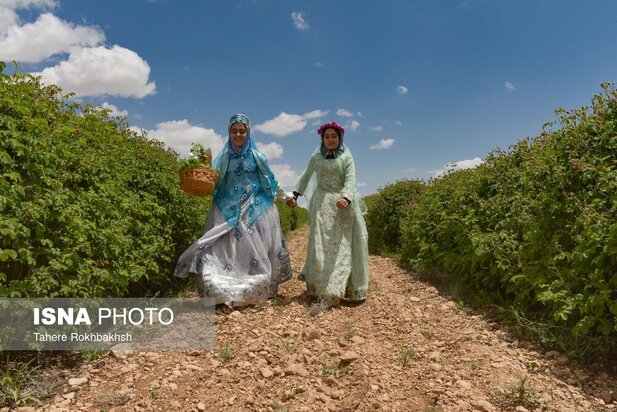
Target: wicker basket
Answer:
pixel 198 181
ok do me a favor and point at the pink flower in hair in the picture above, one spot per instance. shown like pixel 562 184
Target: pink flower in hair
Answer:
pixel 333 125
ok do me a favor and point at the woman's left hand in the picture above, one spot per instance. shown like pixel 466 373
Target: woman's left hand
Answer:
pixel 342 203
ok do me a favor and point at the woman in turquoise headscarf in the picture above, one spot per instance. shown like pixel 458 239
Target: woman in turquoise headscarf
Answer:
pixel 337 257
pixel 241 258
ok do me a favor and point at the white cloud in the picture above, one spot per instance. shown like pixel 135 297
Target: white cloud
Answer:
pixel 298 20
pixel 509 86
pixel 317 64
pixel 376 128
pixel 114 110
pixel 402 90
pixel 271 150
pixel 102 71
pixel 353 125
pixel 398 122
pixel 315 114
pixel 8 14
pixel 383 144
pixel 286 176
pixel 460 165
pixel 344 113
pixel 285 124
pixel 47 36
pixel 361 184
pixel 89 68
pixel 180 134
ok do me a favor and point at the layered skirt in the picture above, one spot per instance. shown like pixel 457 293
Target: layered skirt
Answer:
pixel 241 265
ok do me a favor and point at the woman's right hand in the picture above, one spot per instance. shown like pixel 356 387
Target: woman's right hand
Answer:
pixel 291 203
pixel 342 203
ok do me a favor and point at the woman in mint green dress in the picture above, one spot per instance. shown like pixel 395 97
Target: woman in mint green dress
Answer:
pixel 337 258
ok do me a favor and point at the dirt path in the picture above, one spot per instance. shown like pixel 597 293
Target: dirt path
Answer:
pixel 405 349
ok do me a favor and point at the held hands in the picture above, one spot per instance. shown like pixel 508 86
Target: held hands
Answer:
pixel 342 203
pixel 294 200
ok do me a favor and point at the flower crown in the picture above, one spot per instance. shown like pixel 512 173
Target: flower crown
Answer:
pixel 330 125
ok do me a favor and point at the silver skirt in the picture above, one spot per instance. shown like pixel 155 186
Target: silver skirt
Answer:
pixel 238 266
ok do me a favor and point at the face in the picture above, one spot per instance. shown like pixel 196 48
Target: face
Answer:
pixel 238 134
pixel 330 139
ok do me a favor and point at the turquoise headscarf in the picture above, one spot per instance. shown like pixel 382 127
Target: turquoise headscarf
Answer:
pixel 241 119
pixel 237 170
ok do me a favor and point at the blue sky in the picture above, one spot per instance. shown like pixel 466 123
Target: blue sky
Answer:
pixel 418 85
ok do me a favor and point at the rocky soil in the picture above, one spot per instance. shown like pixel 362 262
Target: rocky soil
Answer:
pixel 407 348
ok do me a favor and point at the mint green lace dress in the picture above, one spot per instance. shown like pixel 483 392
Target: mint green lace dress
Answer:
pixel 337 258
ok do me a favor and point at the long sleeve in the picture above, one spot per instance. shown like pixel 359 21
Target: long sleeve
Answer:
pixel 349 188
pixel 306 175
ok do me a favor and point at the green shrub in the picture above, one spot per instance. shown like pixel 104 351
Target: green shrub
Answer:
pixel 534 227
pixel 291 219
pixel 284 215
pixel 87 206
pixel 385 210
pixel 299 217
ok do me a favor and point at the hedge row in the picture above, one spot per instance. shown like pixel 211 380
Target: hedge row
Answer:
pixel 534 228
pixel 87 207
pixel 385 211
pixel 291 219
